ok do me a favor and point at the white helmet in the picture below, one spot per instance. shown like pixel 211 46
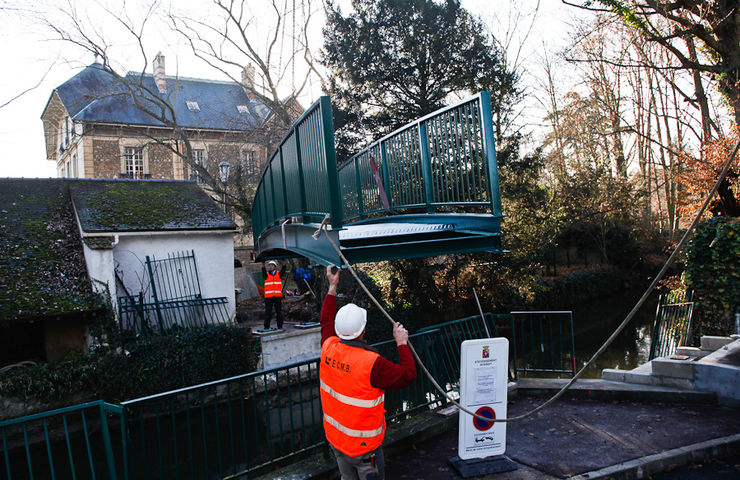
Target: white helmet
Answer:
pixel 350 321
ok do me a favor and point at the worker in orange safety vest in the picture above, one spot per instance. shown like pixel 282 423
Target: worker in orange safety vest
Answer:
pixel 353 379
pixel 273 294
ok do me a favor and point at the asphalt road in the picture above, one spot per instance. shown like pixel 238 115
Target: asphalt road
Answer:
pixel 573 436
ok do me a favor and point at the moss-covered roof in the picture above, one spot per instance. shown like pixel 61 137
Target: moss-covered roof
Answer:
pixel 42 266
pixel 147 205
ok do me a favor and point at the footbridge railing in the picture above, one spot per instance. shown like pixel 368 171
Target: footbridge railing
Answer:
pixel 445 159
pixel 429 188
pixel 300 178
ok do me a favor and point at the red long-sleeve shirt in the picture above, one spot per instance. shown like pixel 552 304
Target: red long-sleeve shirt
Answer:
pixel 385 374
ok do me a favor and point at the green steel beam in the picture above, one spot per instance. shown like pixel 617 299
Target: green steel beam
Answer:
pixel 426 167
pixel 471 233
pixel 299 240
pixel 427 248
pixel 335 191
pixel 487 120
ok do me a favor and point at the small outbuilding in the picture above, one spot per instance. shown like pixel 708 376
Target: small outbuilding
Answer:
pixel 160 253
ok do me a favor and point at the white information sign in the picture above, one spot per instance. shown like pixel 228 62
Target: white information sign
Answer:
pixel 483 379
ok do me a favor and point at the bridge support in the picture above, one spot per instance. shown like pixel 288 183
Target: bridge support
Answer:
pixel 298 238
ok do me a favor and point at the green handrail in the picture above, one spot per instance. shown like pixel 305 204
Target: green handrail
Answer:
pixel 447 158
pixel 300 179
pixel 62 442
pixel 542 342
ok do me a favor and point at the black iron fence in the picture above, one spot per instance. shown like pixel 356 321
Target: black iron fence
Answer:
pixel 542 342
pixel 173 299
pixel 672 327
pixel 163 317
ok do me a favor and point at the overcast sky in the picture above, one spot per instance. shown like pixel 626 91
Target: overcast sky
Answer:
pixel 30 59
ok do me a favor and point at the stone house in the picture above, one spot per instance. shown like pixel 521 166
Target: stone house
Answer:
pixel 71 246
pixel 99 126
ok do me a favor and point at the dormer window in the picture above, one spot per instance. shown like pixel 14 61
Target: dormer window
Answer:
pixel 242 108
pixel 193 106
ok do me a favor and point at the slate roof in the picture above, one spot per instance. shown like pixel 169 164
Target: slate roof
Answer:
pixel 42 266
pixel 94 95
pixel 146 205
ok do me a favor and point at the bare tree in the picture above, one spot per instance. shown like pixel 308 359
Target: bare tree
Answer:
pixel 231 35
pixel 678 25
pixel 650 116
pixel 511 34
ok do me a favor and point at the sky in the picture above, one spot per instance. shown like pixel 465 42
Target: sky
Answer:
pixel 34 63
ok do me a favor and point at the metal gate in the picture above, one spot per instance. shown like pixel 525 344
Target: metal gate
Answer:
pixel 173 299
pixel 672 327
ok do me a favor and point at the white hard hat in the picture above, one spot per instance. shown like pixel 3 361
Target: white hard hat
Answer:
pixel 272 262
pixel 350 321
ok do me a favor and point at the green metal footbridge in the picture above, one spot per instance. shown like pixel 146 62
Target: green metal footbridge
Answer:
pixel 429 188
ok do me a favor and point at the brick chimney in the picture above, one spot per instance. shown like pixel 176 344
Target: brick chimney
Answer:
pixel 248 80
pixel 159 76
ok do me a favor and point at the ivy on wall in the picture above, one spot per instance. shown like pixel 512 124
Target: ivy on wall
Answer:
pixel 713 272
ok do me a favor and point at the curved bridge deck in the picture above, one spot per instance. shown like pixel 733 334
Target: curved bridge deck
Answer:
pixel 429 188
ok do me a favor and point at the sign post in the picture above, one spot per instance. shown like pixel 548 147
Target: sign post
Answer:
pixel 483 382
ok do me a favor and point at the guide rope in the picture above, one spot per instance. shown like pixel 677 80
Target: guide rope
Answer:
pixel 358 112
pixel 628 318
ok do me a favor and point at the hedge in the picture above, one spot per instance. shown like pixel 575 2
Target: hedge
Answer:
pixel 713 272
pixel 147 366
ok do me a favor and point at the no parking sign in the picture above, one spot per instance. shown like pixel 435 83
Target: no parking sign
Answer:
pixel 483 379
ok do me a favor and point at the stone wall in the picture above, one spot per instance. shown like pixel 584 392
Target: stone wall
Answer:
pixel 160 162
pixel 218 153
pixel 106 158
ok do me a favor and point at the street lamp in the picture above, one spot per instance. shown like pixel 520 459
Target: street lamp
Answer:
pixel 223 169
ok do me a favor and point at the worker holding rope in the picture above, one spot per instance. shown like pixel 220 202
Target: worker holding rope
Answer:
pixel 353 378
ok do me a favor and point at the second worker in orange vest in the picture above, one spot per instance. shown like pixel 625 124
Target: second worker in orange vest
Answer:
pixel 353 379
pixel 273 293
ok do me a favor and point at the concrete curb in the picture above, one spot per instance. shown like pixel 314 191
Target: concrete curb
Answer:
pixel 607 390
pixel 646 466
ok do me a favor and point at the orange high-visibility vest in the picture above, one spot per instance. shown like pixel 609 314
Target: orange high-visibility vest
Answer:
pixel 354 410
pixel 273 285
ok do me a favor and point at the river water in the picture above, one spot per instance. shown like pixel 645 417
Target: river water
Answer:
pixel 594 321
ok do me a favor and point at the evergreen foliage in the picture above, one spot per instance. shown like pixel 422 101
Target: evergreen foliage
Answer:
pixel 148 366
pixel 401 59
pixel 713 272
